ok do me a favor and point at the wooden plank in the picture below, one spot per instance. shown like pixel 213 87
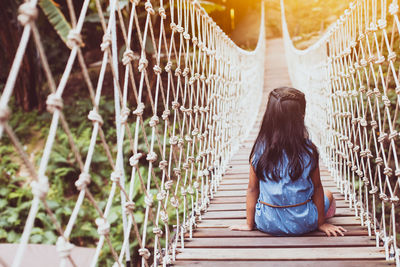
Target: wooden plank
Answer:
pixel 241 214
pixel 340 211
pixel 280 253
pixel 242 193
pixel 342 221
pixel 226 232
pixel 287 263
pixel 281 242
pixel 340 202
pixel 243 187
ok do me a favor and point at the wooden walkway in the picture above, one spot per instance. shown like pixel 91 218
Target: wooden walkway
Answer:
pixel 213 244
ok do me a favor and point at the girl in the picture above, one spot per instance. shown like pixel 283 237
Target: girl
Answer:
pixel 285 194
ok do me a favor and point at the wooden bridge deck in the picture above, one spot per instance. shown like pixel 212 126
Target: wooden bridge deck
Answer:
pixel 213 244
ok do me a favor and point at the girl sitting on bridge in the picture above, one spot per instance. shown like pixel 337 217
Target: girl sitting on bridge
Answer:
pixel 285 195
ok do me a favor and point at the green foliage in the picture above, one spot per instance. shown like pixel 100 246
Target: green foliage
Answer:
pixel 210 6
pixel 56 18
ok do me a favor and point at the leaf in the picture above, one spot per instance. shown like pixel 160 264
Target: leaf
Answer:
pixel 210 6
pixel 56 18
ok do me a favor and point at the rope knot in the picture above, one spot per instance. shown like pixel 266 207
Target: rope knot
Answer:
pixel 134 160
pixel 175 105
pixel 157 231
pixel 183 191
pixel 374 190
pixel 149 8
pixel 27 13
pixel 188 139
pixel 186 35
pixel 161 12
pixel 5 114
pixel 185 72
pixel 142 64
pixel 179 29
pixel 178 71
pixel 152 156
pixel 64 247
pixel 177 171
pixel 186 166
pixel 164 217
pixel 154 121
pixel 157 69
pixel 190 190
pixel 145 253
pixel 394 200
pixel 173 140
pixel 379 161
pixel 103 227
pixel 148 200
pixel 54 102
pixel 139 110
pixel 161 195
pixel 386 101
pixel 168 66
pixel 174 202
pixel 382 137
pixel 383 197
pixel 129 207
pixel 168 184
pixel 83 181
pixel 128 57
pixel 116 176
pixel 393 8
pixel 196 185
pixel 388 171
pixel 392 56
pixel 94 116
pixel 181 142
pixel 40 187
pixel 393 134
pixel 74 39
pixel 165 114
pixel 173 26
pixel 123 117
pixel 106 41
pixel 163 164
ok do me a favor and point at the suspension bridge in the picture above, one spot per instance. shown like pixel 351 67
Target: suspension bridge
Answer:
pixel 184 140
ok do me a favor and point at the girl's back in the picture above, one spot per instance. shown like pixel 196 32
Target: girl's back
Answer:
pixel 285 195
pixel 286 192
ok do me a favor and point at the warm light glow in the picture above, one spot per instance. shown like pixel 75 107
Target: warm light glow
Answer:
pixel 232 18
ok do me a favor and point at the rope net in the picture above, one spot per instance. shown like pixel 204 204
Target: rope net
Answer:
pixel 351 80
pixel 201 92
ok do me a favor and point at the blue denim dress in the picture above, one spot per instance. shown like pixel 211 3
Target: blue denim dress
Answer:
pixel 286 221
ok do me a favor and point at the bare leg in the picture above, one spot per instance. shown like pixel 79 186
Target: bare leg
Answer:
pixel 332 201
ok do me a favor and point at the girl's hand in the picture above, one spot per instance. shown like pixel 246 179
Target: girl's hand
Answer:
pixel 243 227
pixel 330 229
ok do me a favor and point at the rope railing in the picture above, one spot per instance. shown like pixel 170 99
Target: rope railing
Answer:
pixel 351 81
pixel 187 123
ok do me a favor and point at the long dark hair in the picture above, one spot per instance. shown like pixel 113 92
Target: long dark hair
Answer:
pixel 283 133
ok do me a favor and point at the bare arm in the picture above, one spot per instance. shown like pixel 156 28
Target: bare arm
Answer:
pixel 318 196
pixel 319 202
pixel 253 191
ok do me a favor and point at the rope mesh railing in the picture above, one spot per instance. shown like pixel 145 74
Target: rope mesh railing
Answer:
pixel 204 97
pixel 351 80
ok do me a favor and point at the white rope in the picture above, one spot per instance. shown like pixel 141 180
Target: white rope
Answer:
pixel 352 89
pixel 201 92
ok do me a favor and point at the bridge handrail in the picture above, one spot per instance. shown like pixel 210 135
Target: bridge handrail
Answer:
pixel 352 90
pixel 209 89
